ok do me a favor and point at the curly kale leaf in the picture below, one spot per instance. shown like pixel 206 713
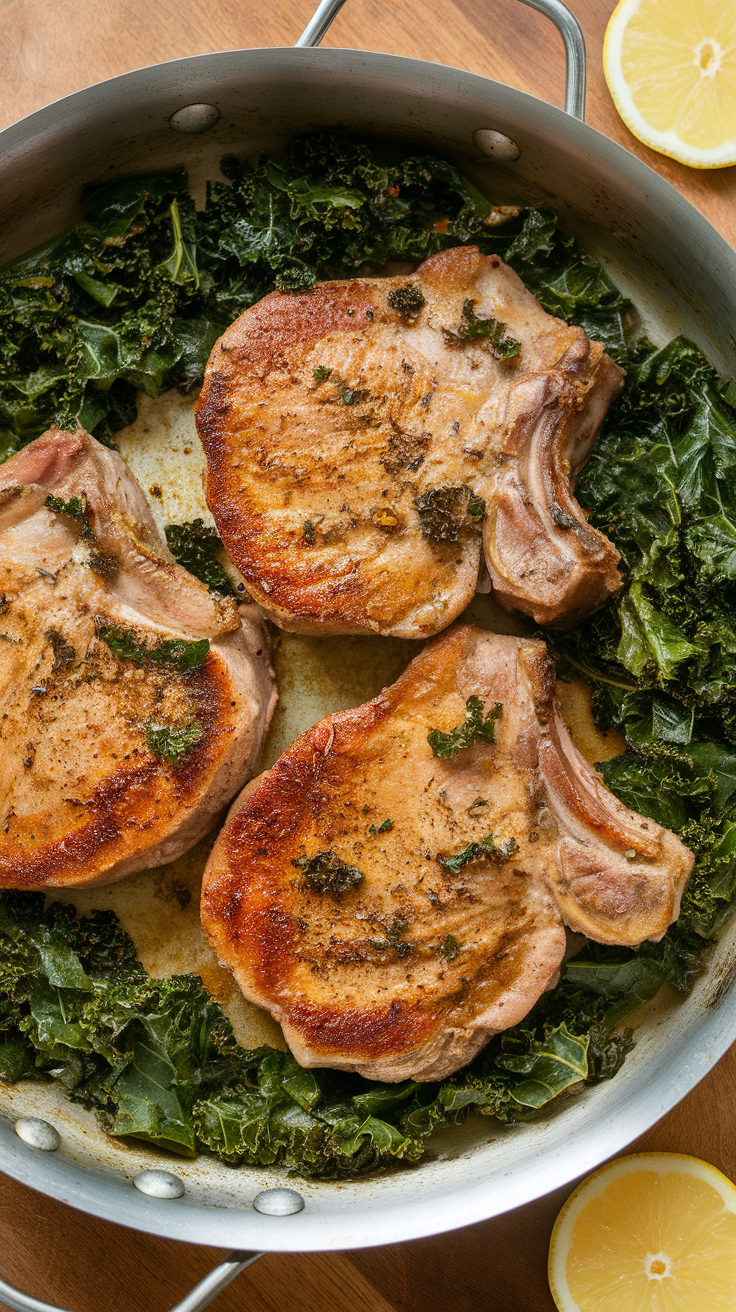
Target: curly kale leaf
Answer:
pixel 197 547
pixel 157 1060
pixel 112 307
pixel 661 483
pixel 475 728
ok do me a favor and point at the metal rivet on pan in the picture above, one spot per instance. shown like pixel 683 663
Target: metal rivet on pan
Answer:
pixel 38 1133
pixel 278 1202
pixel 159 1184
pixel 194 118
pixel 496 144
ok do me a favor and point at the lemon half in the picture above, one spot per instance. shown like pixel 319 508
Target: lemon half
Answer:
pixel 653 1232
pixel 670 66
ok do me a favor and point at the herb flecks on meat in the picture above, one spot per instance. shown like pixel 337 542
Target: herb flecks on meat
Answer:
pixel 172 745
pixel 475 728
pixel 407 300
pixel 176 652
pixel 326 873
pixel 486 849
pixel 489 332
pixel 445 511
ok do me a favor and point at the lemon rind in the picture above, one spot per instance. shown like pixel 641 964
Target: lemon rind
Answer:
pixel 664 1163
pixel 665 143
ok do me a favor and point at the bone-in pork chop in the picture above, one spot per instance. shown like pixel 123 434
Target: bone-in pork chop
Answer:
pixel 395 889
pixel 360 435
pixel 132 704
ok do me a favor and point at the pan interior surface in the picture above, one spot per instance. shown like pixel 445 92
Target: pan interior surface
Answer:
pixel 682 277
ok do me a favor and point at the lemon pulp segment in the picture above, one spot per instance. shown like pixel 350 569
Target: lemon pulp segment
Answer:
pixel 647 1233
pixel 671 69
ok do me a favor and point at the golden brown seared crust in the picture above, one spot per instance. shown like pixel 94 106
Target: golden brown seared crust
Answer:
pixel 330 417
pixel 84 797
pixel 414 965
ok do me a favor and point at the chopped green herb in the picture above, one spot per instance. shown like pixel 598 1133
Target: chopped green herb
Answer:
pixel 445 511
pixel 75 507
pixel 326 873
pixel 309 531
pixel 407 300
pixel 380 829
pixel 64 653
pixel 170 745
pixel 475 728
pixel 487 848
pixel 196 548
pixel 489 332
pixel 104 564
pixel 321 374
pixel 177 652
pixel 448 948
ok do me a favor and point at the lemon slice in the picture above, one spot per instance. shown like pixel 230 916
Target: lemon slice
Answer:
pixel 670 66
pixel 653 1232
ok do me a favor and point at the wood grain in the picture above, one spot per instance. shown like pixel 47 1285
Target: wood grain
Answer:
pixel 47 51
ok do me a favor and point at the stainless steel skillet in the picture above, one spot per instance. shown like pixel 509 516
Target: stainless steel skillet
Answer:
pixel 683 277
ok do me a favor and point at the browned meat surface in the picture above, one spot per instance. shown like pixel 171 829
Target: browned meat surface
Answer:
pixel 394 909
pixel 352 433
pixel 110 763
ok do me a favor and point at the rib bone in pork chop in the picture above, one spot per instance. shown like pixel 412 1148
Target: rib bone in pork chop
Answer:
pixel 395 889
pixel 133 705
pixel 356 433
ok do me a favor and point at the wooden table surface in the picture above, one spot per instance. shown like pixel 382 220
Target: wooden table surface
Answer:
pixel 46 51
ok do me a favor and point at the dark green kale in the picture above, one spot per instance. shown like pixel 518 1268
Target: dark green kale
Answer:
pixel 326 873
pixel 407 300
pixel 156 1059
pixel 176 652
pixel 171 745
pixel 445 511
pixel 475 728
pixel 489 332
pixel 113 307
pixel 486 849
pixel 197 547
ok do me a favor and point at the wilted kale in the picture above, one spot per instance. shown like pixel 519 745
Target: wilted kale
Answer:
pixel 475 728
pixel 196 546
pixel 176 652
pixel 489 332
pixel 157 1060
pixel 326 873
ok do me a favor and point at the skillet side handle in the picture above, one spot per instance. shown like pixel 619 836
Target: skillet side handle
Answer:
pixel 198 1299
pixel 557 12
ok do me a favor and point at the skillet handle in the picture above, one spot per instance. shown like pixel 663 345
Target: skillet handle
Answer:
pixel 199 1298
pixel 557 12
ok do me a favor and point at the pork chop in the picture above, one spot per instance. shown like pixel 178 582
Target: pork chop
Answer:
pixel 359 435
pixel 133 704
pixel 395 889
